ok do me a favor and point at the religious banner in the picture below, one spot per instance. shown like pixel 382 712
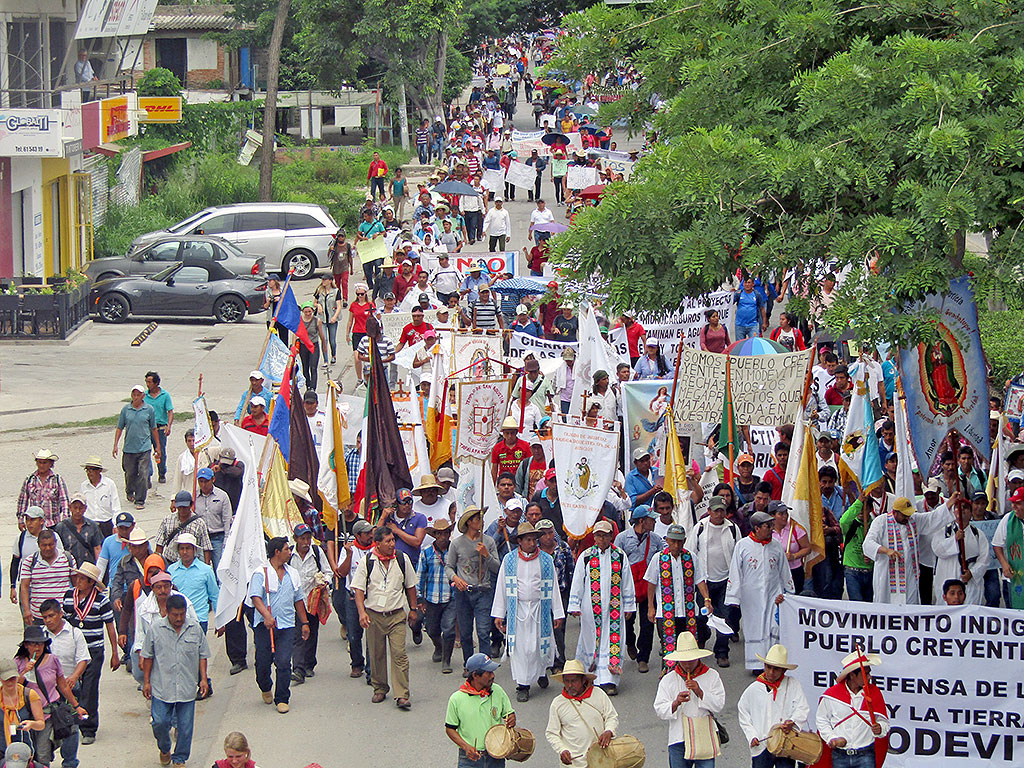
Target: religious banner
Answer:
pixel 521 175
pixel 945 380
pixel 580 177
pixel 685 324
pixel 522 345
pixel 766 389
pixel 481 407
pixel 203 427
pixel 392 323
pixel 585 462
pixel 476 489
pixel 951 676
pixel 644 411
pixel 493 179
pixel 471 351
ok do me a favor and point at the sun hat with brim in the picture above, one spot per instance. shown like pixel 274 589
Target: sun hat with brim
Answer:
pixel 904 506
pixel 34 633
pixel 510 422
pixel 299 488
pixel 687 649
pixel 138 536
pixel 8 669
pixel 855 661
pixel 469 513
pixel 441 524
pixel 573 667
pixel 91 571
pixel 603 526
pixel 427 482
pixel 777 656
pixel 1013 452
pixel 45 454
pixel 93 462
pixel 526 529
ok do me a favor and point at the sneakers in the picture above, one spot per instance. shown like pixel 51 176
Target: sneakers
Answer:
pixel 417 634
pixel 283 708
pixel 88 739
pixel 642 666
pixel 239 667
pixel 610 688
pixel 522 694
pixel 297 677
pixel 268 697
pixel 165 758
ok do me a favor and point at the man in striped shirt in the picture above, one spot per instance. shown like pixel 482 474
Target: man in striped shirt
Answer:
pixel 42 576
pixel 485 311
pixel 423 142
pixel 435 592
pixel 86 606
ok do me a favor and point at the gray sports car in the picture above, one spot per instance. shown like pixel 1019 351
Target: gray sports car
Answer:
pixel 158 254
pixel 192 288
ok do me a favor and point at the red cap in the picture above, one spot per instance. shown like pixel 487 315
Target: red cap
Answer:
pixel 1018 495
pixel 550 475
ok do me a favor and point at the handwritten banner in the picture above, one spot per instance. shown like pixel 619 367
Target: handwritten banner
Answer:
pixel 374 249
pixel 493 179
pixel 522 345
pixel 580 177
pixel 521 175
pixel 684 323
pixel 393 322
pixel 525 142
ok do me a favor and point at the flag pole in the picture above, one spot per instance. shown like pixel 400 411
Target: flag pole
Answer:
pixel 679 361
pixel 195 451
pixel 730 414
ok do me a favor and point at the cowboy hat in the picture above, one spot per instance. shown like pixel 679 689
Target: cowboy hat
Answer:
pixel 687 649
pixel 441 524
pixel 300 488
pixel 510 422
pixel 470 512
pixel 855 661
pixel 93 462
pixel 777 656
pixel 138 536
pixel 45 454
pixel 574 667
pixel 426 482
pixel 526 529
pixel 91 571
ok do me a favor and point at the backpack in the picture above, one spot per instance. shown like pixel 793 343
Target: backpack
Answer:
pixel 399 555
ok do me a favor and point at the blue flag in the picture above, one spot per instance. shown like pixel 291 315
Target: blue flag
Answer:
pixel 280 419
pixel 290 316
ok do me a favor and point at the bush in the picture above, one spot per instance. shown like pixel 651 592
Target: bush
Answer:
pixel 159 82
pixel 1000 338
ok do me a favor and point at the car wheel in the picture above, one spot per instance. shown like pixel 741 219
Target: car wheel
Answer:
pixel 113 308
pixel 302 261
pixel 229 309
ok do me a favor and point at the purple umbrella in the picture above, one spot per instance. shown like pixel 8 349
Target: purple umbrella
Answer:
pixel 552 226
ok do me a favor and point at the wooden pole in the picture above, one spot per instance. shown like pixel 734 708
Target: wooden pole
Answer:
pixel 195 451
pixel 679 361
pixel 730 416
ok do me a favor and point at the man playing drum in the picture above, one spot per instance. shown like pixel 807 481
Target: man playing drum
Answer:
pixel 851 717
pixel 582 716
pixel 773 699
pixel 478 705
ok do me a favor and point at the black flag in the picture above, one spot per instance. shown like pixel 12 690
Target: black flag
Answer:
pixel 386 468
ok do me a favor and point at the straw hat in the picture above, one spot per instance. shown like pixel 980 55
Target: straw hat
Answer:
pixel 299 488
pixel 855 661
pixel 441 524
pixel 777 656
pixel 426 482
pixel 510 422
pixel 470 512
pixel 93 462
pixel 90 571
pixel 526 529
pixel 138 536
pixel 574 667
pixel 687 649
pixel 45 454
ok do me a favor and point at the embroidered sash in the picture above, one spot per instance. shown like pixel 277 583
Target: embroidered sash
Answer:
pixel 547 590
pixel 673 615
pixel 898 565
pixel 614 628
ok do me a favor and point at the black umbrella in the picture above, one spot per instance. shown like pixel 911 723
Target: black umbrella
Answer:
pixel 454 188
pixel 555 139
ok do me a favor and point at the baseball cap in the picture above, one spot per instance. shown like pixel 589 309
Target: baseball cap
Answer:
pixel 256 375
pixel 403 496
pixel 445 474
pixel 602 526
pixel 123 520
pixel 543 524
pixel 744 458
pixel 903 504
pixel 676 533
pixel 183 499
pixel 300 530
pixel 759 518
pixel 932 485
pixel 226 455
pixel 717 502
pixel 640 453
pixel 550 474
pixel 258 401
pixel 1018 495
pixel 480 662
pixel 77 497
pixel 514 503
pixel 1015 474
pixel 522 310
pixel 139 388
pixel 361 526
pixel 187 538
pixel 640 512
pixel 34 511
pixel 205 474
pixel 979 495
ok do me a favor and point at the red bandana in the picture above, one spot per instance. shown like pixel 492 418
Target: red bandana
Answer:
pixel 754 538
pixel 773 687
pixel 383 558
pixel 700 669
pixel 582 696
pixel 467 688
pixel 528 558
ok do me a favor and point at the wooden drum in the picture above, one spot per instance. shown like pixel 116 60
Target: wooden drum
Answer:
pixel 802 746
pixel 506 743
pixel 622 752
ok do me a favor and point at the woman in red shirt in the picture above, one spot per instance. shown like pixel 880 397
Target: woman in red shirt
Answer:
pixel 358 311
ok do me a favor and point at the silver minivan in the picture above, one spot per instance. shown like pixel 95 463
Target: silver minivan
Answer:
pixel 290 236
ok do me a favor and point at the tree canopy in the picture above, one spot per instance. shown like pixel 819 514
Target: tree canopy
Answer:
pixel 811 135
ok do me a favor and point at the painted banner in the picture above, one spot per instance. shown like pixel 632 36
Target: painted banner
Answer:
pixel 585 462
pixel 495 263
pixel 493 179
pixel 766 389
pixel 945 380
pixel 203 428
pixel 685 323
pixel 472 349
pixel 521 175
pixel 644 408
pixel 522 345
pixel 481 408
pixel 392 323
pixel 580 177
pixel 524 142
pixel 951 676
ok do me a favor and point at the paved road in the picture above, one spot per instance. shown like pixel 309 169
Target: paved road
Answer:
pixel 332 721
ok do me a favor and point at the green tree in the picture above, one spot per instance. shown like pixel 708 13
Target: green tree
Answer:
pixel 809 134
pixel 159 82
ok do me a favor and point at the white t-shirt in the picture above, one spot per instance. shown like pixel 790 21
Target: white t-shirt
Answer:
pixel 718 562
pixel 541 217
pixel 822 379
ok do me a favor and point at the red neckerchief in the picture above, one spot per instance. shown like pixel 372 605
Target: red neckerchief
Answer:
pixel 83 612
pixel 359 546
pixel 383 558
pixel 582 696
pixel 754 538
pixel 467 688
pixel 528 558
pixel 700 669
pixel 773 687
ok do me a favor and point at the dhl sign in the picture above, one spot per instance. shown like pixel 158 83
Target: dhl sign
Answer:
pixel 159 109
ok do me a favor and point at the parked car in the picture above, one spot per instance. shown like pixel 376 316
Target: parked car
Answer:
pixel 170 249
pixel 190 288
pixel 290 236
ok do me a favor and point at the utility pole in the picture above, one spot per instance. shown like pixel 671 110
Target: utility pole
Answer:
pixel 270 107
pixel 403 116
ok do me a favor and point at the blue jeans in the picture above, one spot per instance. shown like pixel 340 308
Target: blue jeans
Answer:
pixel 355 633
pixel 865 759
pixel 332 340
pixel 182 715
pixel 485 761
pixel 767 760
pixel 69 750
pixel 747 332
pixel 992 588
pixel 423 153
pixel 281 658
pixel 217 540
pixel 473 606
pixel 676 759
pixel 859 585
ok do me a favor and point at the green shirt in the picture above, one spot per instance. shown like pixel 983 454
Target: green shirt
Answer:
pixel 138 425
pixel 472 716
pixel 853 534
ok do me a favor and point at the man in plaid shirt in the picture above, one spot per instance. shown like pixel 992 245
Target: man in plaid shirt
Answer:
pixel 45 489
pixel 435 593
pixel 352 456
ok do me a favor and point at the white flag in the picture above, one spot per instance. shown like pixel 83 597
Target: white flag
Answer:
pixel 904 454
pixel 595 354
pixel 472 477
pixel 585 463
pixel 203 427
pixel 327 478
pixel 244 550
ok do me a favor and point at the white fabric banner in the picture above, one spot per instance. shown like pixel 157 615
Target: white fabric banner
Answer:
pixel 594 354
pixel 522 175
pixel 482 406
pixel 685 323
pixel 393 322
pixel 523 344
pixel 585 463
pixel 524 142
pixel 951 677
pixel 492 179
pixel 580 177
pixel 203 428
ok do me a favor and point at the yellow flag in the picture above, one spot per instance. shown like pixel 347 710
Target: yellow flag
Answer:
pixel 805 506
pixel 278 508
pixel 332 480
pixel 438 428
pixel 675 465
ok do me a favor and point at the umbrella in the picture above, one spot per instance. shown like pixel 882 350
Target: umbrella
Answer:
pixel 593 192
pixel 454 188
pixel 755 346
pixel 555 139
pixel 522 286
pixel 553 227
pixel 503 69
pixel 583 111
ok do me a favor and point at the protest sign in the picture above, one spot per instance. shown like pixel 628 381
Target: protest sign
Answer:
pixel 644 406
pixel 524 142
pixel 766 389
pixel 493 179
pixel 374 249
pixel 481 407
pixel 473 349
pixel 351 409
pixel 951 676
pixel 580 177
pixel 585 463
pixel 392 323
pixel 522 345
pixel 495 263
pixel 685 323
pixel 610 160
pixel 521 175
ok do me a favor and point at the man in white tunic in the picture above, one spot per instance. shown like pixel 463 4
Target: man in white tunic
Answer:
pixel 527 607
pixel 773 699
pixel 580 717
pixel 948 565
pixel 852 718
pixel 893 542
pixel 759 576
pixel 602 610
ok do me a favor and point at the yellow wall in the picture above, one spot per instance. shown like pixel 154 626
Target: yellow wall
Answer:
pixel 57 171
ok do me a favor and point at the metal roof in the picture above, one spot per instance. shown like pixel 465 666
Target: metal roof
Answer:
pixel 194 17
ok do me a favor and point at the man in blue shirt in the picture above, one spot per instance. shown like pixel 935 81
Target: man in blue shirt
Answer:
pixel 160 401
pixel 751 319
pixel 138 423
pixel 115 547
pixel 526 324
pixel 194 579
pixel 641 482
